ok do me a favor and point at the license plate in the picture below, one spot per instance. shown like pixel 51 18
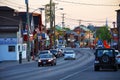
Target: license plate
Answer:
pixel 44 62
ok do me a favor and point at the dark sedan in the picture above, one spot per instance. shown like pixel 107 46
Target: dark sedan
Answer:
pixel 46 59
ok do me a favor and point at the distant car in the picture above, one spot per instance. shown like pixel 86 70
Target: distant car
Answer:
pixel 46 59
pixel 105 58
pixel 69 54
pixel 55 52
pixel 60 46
pixel 77 45
pixel 99 46
pixel 118 57
pixel 45 51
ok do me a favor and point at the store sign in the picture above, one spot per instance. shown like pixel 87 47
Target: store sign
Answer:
pixel 8 40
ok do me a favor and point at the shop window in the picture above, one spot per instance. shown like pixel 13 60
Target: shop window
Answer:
pixel 11 48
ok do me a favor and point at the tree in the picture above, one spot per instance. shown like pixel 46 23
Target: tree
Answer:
pixel 103 33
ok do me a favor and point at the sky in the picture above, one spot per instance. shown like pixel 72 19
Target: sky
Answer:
pixel 94 12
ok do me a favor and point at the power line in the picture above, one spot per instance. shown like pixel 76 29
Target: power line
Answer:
pixel 96 21
pixel 11 19
pixel 88 3
pixel 89 20
pixel 12 5
pixel 16 5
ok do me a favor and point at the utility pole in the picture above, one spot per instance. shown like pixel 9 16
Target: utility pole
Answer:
pixel 79 22
pixel 63 17
pixel 54 28
pixel 51 19
pixel 28 32
pixel 114 25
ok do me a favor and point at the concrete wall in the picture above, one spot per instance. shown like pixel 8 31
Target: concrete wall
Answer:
pixel 6 55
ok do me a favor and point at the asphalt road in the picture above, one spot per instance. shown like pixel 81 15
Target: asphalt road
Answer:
pixel 79 69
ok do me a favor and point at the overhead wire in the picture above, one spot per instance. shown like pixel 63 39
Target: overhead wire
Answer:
pixel 97 21
pixel 87 3
pixel 72 3
pixel 11 19
pixel 16 5
pixel 8 1
pixel 12 5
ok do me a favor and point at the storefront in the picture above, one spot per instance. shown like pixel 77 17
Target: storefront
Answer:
pixel 10 49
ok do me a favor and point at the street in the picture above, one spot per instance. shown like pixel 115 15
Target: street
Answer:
pixel 80 69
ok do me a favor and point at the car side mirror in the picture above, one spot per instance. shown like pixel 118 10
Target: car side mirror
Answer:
pixel 54 57
pixel 116 53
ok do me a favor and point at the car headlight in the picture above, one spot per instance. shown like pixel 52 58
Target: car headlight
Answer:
pixel 50 60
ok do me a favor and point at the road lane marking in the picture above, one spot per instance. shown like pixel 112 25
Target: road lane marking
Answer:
pixel 64 78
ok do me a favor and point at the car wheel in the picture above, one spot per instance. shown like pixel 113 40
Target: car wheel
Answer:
pixel 119 66
pixel 105 58
pixel 55 63
pixel 115 68
pixel 65 59
pixel 74 58
pixel 52 64
pixel 38 64
pixel 96 68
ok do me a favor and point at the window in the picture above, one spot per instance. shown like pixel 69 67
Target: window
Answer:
pixel 11 48
pixel 19 48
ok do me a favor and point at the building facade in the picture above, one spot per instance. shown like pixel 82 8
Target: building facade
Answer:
pixel 118 28
pixel 10 36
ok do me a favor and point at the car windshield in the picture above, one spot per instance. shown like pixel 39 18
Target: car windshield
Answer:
pixel 53 51
pixel 107 52
pixel 43 52
pixel 45 56
pixel 68 52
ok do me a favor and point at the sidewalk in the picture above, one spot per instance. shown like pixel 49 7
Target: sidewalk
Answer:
pixel 4 64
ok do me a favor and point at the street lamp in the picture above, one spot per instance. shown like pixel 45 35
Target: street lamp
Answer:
pixel 55 24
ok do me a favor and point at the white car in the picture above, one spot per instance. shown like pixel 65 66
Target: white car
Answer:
pixel 69 54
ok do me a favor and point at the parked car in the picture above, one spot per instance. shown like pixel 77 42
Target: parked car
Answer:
pixel 105 58
pixel 55 52
pixel 46 59
pixel 118 57
pixel 69 54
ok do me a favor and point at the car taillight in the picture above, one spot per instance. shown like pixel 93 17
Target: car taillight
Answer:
pixel 96 59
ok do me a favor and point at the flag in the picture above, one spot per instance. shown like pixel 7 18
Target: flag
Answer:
pixel 106 45
pixel 32 25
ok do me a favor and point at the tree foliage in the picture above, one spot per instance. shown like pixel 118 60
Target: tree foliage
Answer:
pixel 103 33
